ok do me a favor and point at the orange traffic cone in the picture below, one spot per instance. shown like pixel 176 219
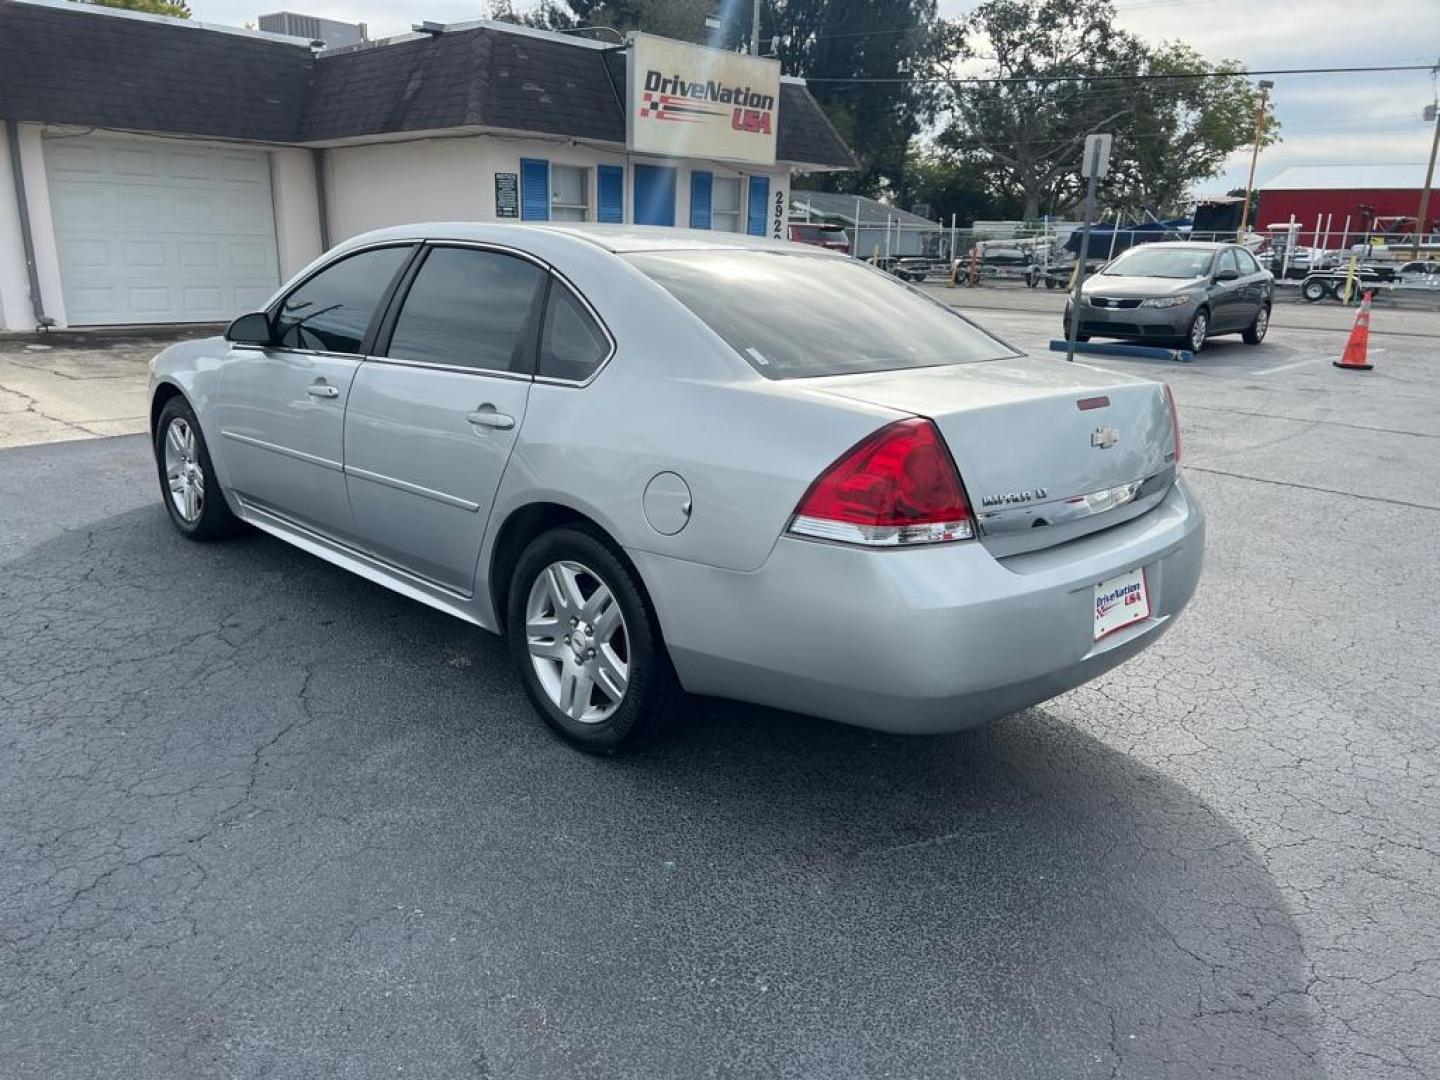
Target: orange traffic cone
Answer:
pixel 1359 343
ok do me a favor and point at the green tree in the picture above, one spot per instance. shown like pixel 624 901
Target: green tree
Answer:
pixel 1054 62
pixel 683 20
pixel 963 186
pixel 178 9
pixel 867 62
pixel 1180 130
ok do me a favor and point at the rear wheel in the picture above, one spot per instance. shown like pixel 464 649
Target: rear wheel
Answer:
pixel 1313 290
pixel 192 495
pixel 586 644
pixel 1254 334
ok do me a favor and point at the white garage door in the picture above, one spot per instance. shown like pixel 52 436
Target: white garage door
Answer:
pixel 157 231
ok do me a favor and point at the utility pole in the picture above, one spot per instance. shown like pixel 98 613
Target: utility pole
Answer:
pixel 1265 87
pixel 755 29
pixel 1432 114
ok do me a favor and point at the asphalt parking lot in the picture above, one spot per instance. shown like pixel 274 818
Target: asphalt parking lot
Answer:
pixel 260 818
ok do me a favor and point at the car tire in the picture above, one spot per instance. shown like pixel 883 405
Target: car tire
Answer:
pixel 1199 328
pixel 1255 333
pixel 569 638
pixel 1314 290
pixel 1065 333
pixel 188 485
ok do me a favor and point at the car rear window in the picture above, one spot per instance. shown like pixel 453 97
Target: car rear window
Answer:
pixel 798 316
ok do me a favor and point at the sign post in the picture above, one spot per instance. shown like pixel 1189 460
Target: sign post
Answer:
pixel 1094 165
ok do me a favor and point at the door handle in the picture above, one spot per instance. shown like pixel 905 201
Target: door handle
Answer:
pixel 486 416
pixel 322 390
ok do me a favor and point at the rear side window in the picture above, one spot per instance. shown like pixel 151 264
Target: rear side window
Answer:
pixel 572 345
pixel 469 308
pixel 332 310
pixel 796 316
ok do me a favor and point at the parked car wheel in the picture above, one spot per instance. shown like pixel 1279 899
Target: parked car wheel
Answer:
pixel 1199 329
pixel 586 644
pixel 1065 333
pixel 192 496
pixel 1314 290
pixel 1254 334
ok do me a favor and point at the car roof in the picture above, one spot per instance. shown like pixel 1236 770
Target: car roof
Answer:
pixel 1186 245
pixel 619 239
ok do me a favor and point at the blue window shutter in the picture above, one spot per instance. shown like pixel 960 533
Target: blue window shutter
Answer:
pixel 700 184
pixel 534 189
pixel 610 192
pixel 654 195
pixel 759 205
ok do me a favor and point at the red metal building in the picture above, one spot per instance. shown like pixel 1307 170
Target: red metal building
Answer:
pixel 1361 192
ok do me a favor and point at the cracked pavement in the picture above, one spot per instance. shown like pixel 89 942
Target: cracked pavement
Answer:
pixel 66 385
pixel 260 818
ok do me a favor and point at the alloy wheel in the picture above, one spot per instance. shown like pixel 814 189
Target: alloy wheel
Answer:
pixel 1197 331
pixel 184 475
pixel 578 642
pixel 1262 323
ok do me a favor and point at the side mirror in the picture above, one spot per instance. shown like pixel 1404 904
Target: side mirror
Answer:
pixel 1227 275
pixel 251 329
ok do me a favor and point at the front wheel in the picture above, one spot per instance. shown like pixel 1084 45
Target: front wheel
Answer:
pixel 1254 334
pixel 1199 329
pixel 192 495
pixel 1314 290
pixel 586 645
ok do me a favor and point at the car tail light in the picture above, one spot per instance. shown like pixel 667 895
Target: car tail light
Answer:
pixel 1174 419
pixel 894 488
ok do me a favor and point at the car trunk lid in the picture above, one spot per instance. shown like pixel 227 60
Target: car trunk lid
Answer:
pixel 1048 451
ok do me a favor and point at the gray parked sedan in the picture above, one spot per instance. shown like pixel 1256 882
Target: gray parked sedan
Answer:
pixel 1177 293
pixel 658 460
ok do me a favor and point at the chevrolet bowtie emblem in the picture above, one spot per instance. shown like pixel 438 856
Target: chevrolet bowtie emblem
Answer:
pixel 1104 437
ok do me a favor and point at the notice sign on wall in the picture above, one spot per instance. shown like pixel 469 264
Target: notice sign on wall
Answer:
pixel 507 195
pixel 690 101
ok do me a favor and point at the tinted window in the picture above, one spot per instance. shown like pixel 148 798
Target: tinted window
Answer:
pixel 1162 262
pixel 793 316
pixel 469 308
pixel 571 345
pixel 331 311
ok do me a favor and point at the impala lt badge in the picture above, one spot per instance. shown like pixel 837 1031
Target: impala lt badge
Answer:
pixel 1104 437
pixel 1014 498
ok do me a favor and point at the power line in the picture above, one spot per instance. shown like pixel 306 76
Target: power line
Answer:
pixel 1142 77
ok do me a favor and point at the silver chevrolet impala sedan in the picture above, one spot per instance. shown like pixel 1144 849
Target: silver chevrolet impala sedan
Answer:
pixel 659 461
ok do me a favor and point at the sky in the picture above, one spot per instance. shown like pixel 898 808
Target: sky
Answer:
pixel 1358 118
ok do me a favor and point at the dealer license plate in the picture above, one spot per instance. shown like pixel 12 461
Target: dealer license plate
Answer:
pixel 1119 602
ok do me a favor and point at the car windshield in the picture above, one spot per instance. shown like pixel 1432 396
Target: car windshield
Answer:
pixel 797 316
pixel 1161 262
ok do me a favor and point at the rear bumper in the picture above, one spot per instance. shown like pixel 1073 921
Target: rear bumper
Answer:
pixel 930 640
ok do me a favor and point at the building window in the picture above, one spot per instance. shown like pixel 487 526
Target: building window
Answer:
pixel 725 204
pixel 569 193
